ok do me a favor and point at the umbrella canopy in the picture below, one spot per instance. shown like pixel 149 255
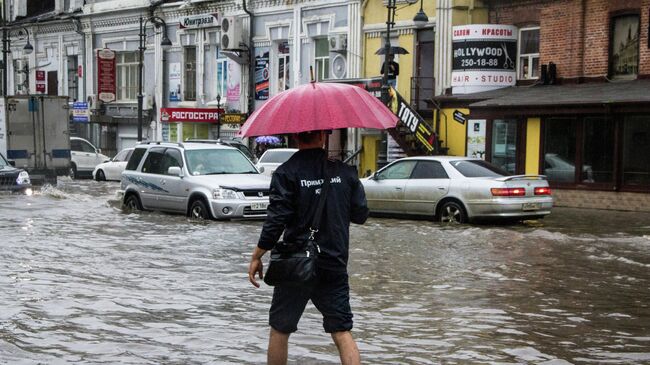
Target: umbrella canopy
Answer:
pixel 319 106
pixel 267 139
pixel 393 50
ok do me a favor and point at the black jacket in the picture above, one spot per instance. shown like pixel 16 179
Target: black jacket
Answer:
pixel 293 202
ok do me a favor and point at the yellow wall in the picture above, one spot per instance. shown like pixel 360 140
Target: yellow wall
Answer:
pixel 368 157
pixel 452 133
pixel 533 137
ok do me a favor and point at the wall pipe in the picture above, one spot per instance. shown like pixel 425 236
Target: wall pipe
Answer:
pixel 251 61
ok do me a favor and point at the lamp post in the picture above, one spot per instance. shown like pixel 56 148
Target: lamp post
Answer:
pixel 164 44
pixel 390 22
pixel 218 116
pixel 6 48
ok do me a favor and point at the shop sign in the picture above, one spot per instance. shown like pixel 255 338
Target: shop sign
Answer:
pixel 80 112
pixel 40 75
pixel 261 73
pixel 106 75
pixel 476 138
pixel 484 57
pixel 40 88
pixel 232 118
pixel 192 115
pixel 460 117
pixel 199 21
pixel 412 120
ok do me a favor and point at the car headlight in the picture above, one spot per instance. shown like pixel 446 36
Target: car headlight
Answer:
pixel 23 178
pixel 224 194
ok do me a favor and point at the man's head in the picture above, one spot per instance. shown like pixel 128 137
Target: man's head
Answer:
pixel 311 139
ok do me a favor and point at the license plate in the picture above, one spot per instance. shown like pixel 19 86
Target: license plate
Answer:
pixel 259 206
pixel 530 206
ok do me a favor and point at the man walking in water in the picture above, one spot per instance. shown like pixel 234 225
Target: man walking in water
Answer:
pixel 294 194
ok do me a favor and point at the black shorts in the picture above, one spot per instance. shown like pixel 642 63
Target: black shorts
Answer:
pixel 330 295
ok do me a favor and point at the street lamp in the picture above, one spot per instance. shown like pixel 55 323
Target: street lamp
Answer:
pixel 390 22
pixel 6 48
pixel 218 116
pixel 165 44
pixel 420 19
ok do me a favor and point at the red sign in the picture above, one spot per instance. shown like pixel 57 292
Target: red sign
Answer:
pixel 40 75
pixel 106 75
pixel 80 71
pixel 40 88
pixel 205 115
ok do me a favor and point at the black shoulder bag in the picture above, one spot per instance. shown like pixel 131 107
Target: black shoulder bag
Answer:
pixel 294 263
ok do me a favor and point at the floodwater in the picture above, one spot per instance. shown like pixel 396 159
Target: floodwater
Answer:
pixel 82 282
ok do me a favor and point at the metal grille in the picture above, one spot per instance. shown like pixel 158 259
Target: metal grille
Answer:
pixel 248 212
pixel 255 193
pixel 7 181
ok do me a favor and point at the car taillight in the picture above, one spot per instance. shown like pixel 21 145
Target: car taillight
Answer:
pixel 543 191
pixel 508 191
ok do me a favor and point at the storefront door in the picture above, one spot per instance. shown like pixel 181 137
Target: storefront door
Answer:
pixel 505 139
pixel 196 131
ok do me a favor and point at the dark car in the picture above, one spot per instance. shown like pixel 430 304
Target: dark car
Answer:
pixel 13 179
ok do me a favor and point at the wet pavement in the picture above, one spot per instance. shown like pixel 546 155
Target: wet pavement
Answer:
pixel 83 282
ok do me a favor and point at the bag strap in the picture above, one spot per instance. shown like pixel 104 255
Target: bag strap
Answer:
pixel 313 229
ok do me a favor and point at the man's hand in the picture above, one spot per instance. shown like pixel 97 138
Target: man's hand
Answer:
pixel 256 266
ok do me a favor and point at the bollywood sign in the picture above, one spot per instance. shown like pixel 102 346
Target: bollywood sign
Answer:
pixel 484 57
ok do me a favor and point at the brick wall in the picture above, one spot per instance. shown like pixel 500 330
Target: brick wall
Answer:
pixel 574 34
pixel 636 202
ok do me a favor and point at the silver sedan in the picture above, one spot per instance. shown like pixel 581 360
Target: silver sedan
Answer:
pixel 456 189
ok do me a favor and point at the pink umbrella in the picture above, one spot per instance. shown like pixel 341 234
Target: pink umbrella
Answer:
pixel 319 106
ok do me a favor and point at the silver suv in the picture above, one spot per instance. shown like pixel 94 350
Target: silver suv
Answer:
pixel 197 179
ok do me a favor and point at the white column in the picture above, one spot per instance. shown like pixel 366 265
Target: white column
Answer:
pixel 200 67
pixel 159 85
pixel 442 64
pixel 63 71
pixel 246 77
pixel 296 49
pixel 354 40
pixel 89 67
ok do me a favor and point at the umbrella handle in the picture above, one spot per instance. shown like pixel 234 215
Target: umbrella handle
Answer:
pixel 311 73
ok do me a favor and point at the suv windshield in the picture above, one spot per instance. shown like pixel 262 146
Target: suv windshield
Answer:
pixel 3 162
pixel 477 168
pixel 218 161
pixel 271 156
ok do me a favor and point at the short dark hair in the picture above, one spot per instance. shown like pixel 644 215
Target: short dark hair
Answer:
pixel 308 137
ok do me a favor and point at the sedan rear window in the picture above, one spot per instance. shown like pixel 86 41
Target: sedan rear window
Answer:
pixel 477 168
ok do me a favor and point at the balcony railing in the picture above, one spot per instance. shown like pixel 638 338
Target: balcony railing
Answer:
pixel 422 89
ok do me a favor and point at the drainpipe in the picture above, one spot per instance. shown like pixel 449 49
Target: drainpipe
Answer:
pixel 251 62
pixel 78 29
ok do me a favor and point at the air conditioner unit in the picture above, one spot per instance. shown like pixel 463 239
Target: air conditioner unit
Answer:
pixel 93 102
pixel 231 32
pixel 339 66
pixel 338 42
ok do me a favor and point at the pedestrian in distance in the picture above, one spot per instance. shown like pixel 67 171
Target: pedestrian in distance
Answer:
pixel 294 195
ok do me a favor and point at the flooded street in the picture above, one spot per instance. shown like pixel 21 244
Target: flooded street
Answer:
pixel 83 282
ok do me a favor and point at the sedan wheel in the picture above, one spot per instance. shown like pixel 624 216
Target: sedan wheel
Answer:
pixel 72 172
pixel 132 203
pixel 199 210
pixel 99 176
pixel 452 212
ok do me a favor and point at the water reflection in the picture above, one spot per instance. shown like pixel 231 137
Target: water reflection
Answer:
pixel 84 282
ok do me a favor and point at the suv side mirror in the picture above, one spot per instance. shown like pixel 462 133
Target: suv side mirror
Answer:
pixel 261 169
pixel 375 176
pixel 174 171
pixel 98 150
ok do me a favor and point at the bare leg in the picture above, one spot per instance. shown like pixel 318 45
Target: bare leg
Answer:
pixel 348 349
pixel 278 348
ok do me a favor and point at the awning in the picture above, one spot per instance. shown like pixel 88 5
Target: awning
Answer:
pixel 595 97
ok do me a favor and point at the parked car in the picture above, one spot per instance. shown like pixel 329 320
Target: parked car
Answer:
pixel 229 142
pixel 559 169
pixel 13 179
pixel 201 180
pixel 272 158
pixel 456 189
pixel 112 169
pixel 84 157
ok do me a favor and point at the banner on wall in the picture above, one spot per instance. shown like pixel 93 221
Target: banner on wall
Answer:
pixel 233 87
pixel 262 73
pixel 476 138
pixel 484 57
pixel 175 81
pixel 106 75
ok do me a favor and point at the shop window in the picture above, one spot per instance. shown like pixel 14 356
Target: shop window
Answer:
pixel 73 78
pixel 559 149
pixel 127 76
pixel 283 68
pixel 21 77
pixel 504 144
pixel 624 47
pixel 189 80
pixel 322 58
pixel 222 75
pixel 636 151
pixel 528 53
pixel 597 150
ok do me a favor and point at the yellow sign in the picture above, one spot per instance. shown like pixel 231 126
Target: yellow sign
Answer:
pixel 232 118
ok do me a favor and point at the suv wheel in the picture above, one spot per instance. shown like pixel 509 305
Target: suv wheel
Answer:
pixel 132 203
pixel 198 210
pixel 72 172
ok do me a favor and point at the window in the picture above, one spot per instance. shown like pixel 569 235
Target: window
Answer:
pixel 172 159
pixel 597 150
pixel 73 77
pixel 81 146
pixel 322 58
pixel 135 158
pixel 123 156
pixel 636 150
pixel 528 53
pixel 127 76
pixel 222 75
pixel 189 89
pixel 399 170
pixel 429 170
pixel 504 144
pixel 218 161
pixel 560 149
pixel 624 47
pixel 283 68
pixel 155 162
pixel 477 168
